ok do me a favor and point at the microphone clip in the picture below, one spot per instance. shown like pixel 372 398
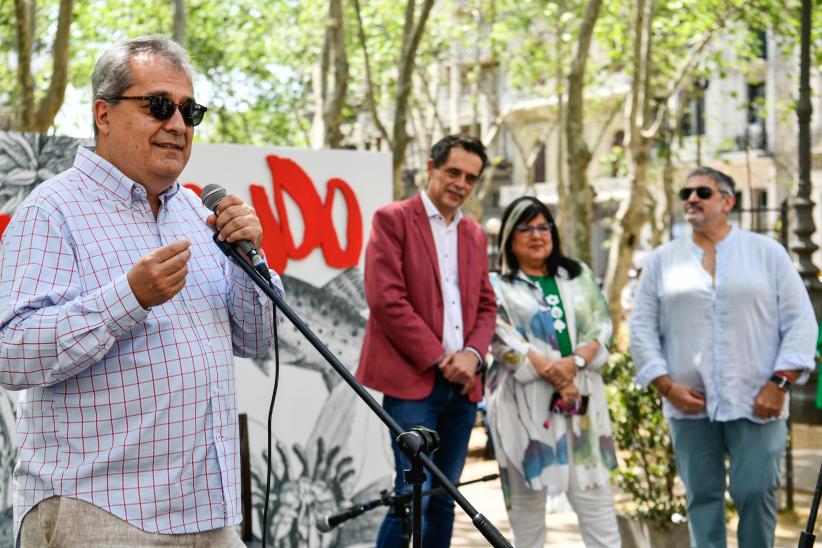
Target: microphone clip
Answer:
pixel 230 250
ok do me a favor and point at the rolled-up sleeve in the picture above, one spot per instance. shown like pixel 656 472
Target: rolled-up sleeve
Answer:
pixel 798 329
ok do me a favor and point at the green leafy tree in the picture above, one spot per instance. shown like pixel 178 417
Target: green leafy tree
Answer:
pixel 662 49
pixel 379 20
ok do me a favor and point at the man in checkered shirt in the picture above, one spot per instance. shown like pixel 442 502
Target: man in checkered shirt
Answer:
pixel 118 321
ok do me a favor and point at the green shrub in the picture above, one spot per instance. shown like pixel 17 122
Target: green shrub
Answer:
pixel 647 470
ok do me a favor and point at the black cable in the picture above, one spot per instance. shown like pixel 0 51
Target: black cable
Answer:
pixel 270 415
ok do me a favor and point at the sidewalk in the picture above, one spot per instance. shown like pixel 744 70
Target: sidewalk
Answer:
pixel 562 527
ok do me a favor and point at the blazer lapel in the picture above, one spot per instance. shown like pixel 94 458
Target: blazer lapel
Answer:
pixel 427 237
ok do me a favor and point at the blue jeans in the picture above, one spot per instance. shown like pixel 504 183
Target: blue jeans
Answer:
pixel 754 453
pixel 452 416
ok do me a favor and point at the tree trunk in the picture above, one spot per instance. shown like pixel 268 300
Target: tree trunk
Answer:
pixel 475 205
pixel 578 154
pixel 40 117
pixel 748 217
pixel 24 23
pixel 631 215
pixel 630 220
pixel 179 32
pixel 668 174
pixel 563 213
pixel 412 34
pixel 335 90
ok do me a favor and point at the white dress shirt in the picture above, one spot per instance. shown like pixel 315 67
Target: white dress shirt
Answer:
pixel 445 240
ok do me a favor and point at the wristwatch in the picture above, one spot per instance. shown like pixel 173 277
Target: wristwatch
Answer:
pixel 579 361
pixel 780 381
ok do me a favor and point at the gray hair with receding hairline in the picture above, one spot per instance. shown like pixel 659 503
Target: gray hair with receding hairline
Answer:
pixel 112 73
pixel 724 182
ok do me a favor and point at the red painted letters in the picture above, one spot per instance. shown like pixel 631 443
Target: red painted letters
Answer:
pixel 289 178
pixel 4 222
pixel 319 231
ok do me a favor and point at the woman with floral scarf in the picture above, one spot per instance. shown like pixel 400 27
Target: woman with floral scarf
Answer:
pixel 546 399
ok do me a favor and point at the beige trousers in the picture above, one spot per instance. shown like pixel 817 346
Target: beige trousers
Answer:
pixel 63 522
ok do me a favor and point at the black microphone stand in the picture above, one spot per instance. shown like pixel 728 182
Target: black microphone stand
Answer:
pixel 398 500
pixel 413 443
pixel 807 538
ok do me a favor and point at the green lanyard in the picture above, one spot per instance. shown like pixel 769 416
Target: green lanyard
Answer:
pixel 549 287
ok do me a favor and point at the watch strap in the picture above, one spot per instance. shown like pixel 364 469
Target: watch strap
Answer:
pixel 782 382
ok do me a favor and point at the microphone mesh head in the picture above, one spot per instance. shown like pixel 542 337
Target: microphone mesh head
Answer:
pixel 212 195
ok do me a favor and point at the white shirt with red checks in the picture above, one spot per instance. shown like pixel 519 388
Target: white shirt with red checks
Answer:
pixel 131 410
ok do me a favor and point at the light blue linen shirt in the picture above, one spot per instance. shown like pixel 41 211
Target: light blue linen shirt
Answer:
pixel 724 339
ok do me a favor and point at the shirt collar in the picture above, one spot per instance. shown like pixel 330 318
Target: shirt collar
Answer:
pixel 105 174
pixel 432 211
pixel 721 244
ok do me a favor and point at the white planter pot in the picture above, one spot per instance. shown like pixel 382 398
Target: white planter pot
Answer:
pixel 637 533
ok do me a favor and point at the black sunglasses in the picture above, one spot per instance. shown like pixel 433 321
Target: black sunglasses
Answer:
pixel 162 108
pixel 702 192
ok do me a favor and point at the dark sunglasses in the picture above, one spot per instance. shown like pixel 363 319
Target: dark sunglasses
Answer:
pixel 702 192
pixel 162 108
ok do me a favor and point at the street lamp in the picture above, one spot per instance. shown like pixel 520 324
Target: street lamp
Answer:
pixel 492 227
pixel 801 245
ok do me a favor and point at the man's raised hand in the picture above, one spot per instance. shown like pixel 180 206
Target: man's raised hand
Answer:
pixel 158 276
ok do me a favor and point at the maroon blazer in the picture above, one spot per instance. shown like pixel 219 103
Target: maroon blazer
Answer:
pixel 402 286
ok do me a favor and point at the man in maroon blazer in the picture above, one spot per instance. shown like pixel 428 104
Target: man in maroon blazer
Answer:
pixel 432 317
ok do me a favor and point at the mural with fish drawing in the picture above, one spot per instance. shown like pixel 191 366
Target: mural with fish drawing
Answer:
pixel 315 206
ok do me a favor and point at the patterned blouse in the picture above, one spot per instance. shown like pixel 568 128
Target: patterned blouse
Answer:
pixel 525 434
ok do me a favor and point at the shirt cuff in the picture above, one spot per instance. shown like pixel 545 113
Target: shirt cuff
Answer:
pixel 651 371
pixel 481 362
pixel 119 307
pixel 246 284
pixel 526 373
pixel 793 362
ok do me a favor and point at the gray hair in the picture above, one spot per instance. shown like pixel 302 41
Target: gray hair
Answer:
pixel 724 182
pixel 112 73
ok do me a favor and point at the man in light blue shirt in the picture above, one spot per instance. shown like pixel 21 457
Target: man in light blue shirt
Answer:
pixel 721 327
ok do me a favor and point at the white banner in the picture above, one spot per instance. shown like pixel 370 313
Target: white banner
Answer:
pixel 316 209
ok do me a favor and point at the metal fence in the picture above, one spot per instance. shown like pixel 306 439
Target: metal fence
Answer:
pixel 771 221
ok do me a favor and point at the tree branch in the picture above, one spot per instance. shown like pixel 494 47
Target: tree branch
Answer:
pixel 179 31
pixel 372 104
pixel 614 111
pixel 431 100
pixel 405 66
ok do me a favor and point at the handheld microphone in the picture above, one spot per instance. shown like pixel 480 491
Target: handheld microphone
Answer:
pixel 327 523
pixel 212 195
